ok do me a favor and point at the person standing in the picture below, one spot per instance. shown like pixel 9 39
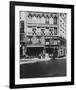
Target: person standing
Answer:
pixel 54 53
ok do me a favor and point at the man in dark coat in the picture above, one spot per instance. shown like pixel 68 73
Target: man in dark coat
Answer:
pixel 54 53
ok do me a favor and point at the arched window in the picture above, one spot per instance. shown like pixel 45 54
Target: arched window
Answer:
pixel 43 19
pixel 51 20
pixel 55 19
pixel 29 18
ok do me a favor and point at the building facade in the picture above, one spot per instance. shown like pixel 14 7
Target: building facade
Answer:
pixel 42 33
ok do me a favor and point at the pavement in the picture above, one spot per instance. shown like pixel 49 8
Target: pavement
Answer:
pixel 48 68
pixel 35 60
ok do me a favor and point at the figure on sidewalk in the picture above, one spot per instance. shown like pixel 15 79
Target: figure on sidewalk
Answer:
pixel 54 53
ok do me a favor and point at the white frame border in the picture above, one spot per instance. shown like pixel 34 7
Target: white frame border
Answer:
pixel 17 66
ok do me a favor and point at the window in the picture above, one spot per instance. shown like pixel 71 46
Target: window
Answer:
pixel 55 19
pixel 21 26
pixel 55 31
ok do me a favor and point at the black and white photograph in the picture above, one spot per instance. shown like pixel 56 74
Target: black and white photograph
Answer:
pixel 41 44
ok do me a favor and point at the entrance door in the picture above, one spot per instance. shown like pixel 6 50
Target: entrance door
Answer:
pixel 50 51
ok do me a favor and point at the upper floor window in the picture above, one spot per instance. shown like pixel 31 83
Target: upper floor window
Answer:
pixel 22 26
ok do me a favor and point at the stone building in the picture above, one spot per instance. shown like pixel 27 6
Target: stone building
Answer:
pixel 42 32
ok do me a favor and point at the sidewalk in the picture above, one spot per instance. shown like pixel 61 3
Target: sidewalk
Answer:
pixel 35 60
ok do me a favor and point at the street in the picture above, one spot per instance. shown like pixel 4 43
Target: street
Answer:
pixel 52 68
